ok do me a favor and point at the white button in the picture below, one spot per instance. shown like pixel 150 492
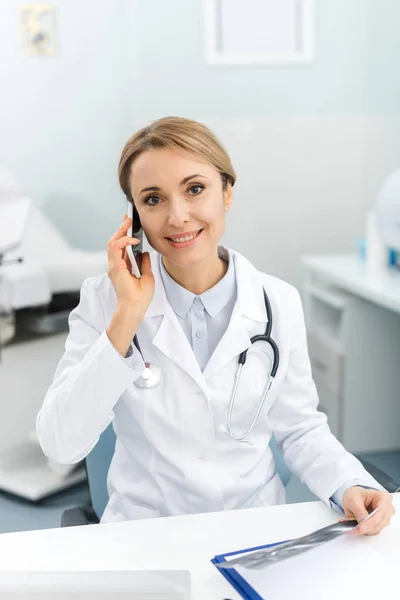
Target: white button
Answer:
pixel 199 334
pixel 222 429
pixel 197 300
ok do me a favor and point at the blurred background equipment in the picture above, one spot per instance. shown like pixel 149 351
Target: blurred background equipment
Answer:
pixel 40 279
pixel 387 209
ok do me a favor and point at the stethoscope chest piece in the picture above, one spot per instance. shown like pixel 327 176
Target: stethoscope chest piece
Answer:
pixel 150 377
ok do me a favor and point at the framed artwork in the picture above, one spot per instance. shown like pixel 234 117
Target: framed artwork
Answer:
pixel 259 32
pixel 38 29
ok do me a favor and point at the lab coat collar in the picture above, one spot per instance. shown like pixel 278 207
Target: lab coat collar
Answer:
pixel 214 300
pixel 249 308
pixel 172 341
pixel 250 297
pixel 248 280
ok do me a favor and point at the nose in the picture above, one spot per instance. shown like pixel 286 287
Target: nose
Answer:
pixel 178 213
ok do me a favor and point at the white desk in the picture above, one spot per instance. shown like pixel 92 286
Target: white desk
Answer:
pixel 349 272
pixel 187 542
pixel 353 326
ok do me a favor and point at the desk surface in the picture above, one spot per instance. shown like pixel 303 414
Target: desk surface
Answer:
pixel 349 272
pixel 187 542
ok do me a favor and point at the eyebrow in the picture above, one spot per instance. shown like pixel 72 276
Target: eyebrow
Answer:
pixel 155 188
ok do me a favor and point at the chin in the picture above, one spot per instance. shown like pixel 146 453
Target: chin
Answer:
pixel 185 258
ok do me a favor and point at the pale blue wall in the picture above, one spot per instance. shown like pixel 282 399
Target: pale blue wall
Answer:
pixel 64 120
pixel 383 57
pixel 356 68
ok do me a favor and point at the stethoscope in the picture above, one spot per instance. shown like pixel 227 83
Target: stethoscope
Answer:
pixel 151 376
pixel 266 337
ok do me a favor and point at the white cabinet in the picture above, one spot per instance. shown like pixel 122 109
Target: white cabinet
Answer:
pixel 354 349
pixel 26 372
pixel 327 368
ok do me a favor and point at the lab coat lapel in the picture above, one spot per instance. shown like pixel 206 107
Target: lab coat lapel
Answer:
pixel 170 338
pixel 248 313
pixel 235 339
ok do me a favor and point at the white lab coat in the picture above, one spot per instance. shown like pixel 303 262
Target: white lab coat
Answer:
pixel 171 455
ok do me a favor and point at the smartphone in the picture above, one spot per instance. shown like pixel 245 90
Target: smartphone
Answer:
pixel 135 252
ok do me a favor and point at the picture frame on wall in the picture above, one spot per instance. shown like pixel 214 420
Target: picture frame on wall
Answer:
pixel 259 32
pixel 38 29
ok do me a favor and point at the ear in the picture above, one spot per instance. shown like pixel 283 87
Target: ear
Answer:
pixel 228 197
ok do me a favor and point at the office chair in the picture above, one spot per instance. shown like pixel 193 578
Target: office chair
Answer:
pixel 97 465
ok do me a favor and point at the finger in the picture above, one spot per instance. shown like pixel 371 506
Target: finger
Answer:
pixel 375 521
pixel 146 265
pixel 126 223
pixel 127 260
pixel 126 241
pixel 378 529
pixel 116 248
pixel 381 498
pixel 385 512
pixel 356 508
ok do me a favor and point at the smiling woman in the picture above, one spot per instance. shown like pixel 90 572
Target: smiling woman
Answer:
pixel 228 340
pixel 179 179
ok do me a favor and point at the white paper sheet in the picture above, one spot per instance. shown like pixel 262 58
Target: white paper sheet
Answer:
pixel 334 571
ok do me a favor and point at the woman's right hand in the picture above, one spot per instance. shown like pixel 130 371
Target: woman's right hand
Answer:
pixel 133 294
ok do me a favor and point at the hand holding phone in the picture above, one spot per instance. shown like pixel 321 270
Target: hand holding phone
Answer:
pixel 133 281
pixel 130 272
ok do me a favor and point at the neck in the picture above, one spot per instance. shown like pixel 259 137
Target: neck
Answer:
pixel 199 278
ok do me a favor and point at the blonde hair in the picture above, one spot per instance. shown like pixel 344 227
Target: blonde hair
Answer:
pixel 180 134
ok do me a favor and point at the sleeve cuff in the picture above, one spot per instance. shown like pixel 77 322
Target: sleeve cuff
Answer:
pixel 337 498
pixel 132 359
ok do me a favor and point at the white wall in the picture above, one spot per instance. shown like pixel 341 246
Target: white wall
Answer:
pixel 63 119
pixel 310 144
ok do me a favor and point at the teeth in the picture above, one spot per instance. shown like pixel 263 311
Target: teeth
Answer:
pixel 185 239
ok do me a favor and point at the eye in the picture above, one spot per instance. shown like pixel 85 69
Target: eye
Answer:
pixel 195 190
pixel 152 200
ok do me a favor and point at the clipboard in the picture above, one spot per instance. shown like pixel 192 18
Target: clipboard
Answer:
pixel 298 546
pixel 237 581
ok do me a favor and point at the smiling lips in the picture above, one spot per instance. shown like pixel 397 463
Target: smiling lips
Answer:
pixel 185 239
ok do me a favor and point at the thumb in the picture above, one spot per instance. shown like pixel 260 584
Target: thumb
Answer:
pixel 355 507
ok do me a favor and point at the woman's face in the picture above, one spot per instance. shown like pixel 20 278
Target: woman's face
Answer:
pixel 181 204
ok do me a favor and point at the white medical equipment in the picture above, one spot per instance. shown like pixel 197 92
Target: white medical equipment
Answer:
pixel 12 222
pixel 387 210
pixel 40 280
